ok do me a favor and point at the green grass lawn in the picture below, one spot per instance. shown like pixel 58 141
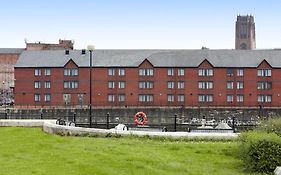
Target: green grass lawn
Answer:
pixel 31 151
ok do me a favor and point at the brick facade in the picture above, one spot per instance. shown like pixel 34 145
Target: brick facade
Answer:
pixel 166 86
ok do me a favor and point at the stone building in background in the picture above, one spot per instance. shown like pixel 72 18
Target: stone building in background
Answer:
pixel 245 37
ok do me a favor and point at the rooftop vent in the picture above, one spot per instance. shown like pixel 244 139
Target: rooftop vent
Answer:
pixel 83 51
pixel 66 52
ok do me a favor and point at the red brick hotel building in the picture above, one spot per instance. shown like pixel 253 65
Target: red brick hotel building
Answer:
pixel 232 78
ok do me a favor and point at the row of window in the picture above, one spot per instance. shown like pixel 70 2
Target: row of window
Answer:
pixel 263 98
pixel 150 84
pixel 149 72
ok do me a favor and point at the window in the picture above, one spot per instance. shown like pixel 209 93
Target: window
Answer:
pixel 264 98
pixel 47 84
pixel 70 71
pixel 121 72
pixel 264 85
pixel 181 98
pixel 121 84
pixel 70 84
pixel 170 98
pixel 180 84
pixel 205 98
pixel 47 97
pixel 240 72
pixel 146 98
pixel 170 71
pixel 229 72
pixel 37 72
pixel 171 85
pixel 205 85
pixel 205 72
pixel 180 72
pixel 37 84
pixel 264 72
pixel 229 85
pixel 37 97
pixel 146 84
pixel 111 71
pixel 240 85
pixel 240 98
pixel 47 72
pixel 229 98
pixel 146 72
pixel 66 98
pixel 121 97
pixel 111 97
pixel 111 84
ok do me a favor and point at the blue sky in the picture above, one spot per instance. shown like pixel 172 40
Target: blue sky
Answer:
pixel 137 24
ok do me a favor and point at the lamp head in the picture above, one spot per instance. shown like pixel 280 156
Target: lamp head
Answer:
pixel 91 47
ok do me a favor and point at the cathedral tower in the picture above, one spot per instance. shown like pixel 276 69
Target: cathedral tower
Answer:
pixel 245 37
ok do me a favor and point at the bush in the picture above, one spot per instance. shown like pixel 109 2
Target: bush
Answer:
pixel 272 125
pixel 261 151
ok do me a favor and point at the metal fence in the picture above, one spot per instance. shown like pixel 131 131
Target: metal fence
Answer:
pixel 167 123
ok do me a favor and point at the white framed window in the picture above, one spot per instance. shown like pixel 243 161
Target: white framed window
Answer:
pixel 146 84
pixel 229 85
pixel 229 72
pixel 47 97
pixel 264 72
pixel 145 98
pixel 70 84
pixel 70 71
pixel 171 85
pixel 121 97
pixel 37 84
pixel 47 84
pixel 205 85
pixel 111 72
pixel 205 72
pixel 111 97
pixel 171 97
pixel 66 98
pixel 240 98
pixel 121 72
pixel 146 72
pixel 181 72
pixel 111 84
pixel 240 84
pixel 205 98
pixel 121 84
pixel 47 72
pixel 264 98
pixel 37 72
pixel 264 85
pixel 229 98
pixel 170 71
pixel 181 98
pixel 37 97
pixel 180 84
pixel 240 72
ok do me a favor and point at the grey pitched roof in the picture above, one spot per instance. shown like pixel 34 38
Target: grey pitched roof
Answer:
pixel 11 50
pixel 159 58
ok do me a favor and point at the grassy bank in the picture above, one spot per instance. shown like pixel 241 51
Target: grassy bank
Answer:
pixel 25 151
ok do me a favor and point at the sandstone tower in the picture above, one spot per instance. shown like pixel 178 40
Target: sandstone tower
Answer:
pixel 245 37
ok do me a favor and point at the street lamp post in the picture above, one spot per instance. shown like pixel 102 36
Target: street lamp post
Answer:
pixel 90 48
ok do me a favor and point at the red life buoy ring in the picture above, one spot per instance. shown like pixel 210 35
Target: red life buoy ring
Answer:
pixel 140 118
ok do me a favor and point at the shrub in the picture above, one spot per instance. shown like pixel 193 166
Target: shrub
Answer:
pixel 261 151
pixel 272 125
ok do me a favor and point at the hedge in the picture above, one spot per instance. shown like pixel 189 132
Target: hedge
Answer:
pixel 260 151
